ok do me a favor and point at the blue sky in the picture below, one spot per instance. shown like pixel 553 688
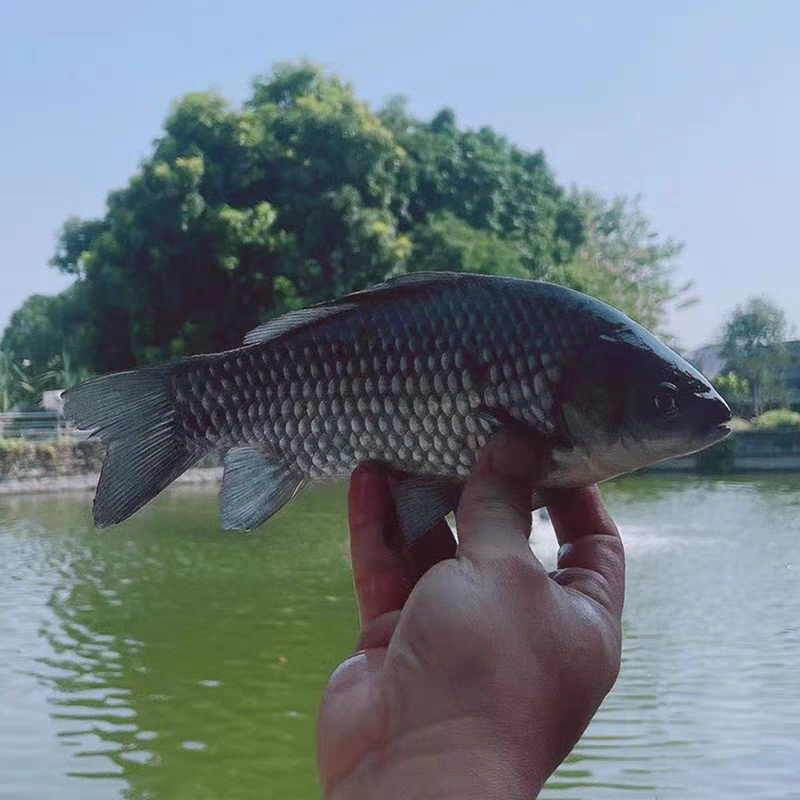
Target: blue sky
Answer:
pixel 692 104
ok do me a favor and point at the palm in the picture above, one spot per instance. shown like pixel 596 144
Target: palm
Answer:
pixel 480 647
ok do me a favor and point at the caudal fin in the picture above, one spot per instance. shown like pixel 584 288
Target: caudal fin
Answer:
pixel 132 414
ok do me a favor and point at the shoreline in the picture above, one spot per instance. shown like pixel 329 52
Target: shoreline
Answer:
pixel 88 482
pixel 75 465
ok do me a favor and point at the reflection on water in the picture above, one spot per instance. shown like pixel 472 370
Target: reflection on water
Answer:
pixel 167 660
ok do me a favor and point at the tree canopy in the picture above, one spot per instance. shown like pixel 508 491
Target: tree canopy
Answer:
pixel 624 262
pixel 303 194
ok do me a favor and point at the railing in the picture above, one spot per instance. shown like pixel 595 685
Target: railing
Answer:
pixel 37 426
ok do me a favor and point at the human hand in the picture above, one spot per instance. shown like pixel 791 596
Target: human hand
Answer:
pixel 476 679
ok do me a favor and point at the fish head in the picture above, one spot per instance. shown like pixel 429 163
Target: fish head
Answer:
pixel 631 401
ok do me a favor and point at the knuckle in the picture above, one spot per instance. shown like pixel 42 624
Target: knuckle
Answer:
pixel 494 512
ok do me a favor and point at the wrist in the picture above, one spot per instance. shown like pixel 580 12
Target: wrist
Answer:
pixel 436 766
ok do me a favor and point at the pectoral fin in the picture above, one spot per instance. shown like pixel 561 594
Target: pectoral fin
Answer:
pixel 498 420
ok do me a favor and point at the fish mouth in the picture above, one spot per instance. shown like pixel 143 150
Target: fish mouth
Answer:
pixel 709 436
pixel 719 432
pixel 717 415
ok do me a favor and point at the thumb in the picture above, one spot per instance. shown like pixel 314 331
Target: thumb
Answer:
pixel 494 515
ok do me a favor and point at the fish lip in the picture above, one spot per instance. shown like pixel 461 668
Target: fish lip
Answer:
pixel 709 437
pixel 719 432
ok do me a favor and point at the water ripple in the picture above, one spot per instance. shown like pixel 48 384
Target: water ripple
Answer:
pixel 164 659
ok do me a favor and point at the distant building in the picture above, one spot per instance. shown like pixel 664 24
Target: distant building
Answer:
pixel 707 359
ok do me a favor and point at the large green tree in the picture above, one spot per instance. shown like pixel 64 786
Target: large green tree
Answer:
pixel 753 346
pixel 304 194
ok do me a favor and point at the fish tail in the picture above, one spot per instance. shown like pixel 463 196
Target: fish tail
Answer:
pixel 134 416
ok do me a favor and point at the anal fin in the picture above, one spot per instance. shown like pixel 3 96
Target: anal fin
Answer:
pixel 253 489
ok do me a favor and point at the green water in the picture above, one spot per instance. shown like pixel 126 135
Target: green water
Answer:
pixel 165 660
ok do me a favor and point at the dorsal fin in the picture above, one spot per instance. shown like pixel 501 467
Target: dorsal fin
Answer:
pixel 292 320
pixel 421 278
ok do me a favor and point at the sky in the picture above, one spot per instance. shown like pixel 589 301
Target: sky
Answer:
pixel 692 105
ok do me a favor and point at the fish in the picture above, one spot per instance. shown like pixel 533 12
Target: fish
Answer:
pixel 417 373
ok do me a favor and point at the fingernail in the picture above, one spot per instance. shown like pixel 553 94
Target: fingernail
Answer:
pixel 512 458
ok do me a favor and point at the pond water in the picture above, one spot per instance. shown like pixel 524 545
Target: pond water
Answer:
pixel 165 660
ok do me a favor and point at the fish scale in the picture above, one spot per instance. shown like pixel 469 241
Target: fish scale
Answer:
pixel 403 384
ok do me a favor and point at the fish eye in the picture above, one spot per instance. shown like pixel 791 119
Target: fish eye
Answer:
pixel 666 400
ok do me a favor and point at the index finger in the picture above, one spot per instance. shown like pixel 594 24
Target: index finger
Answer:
pixel 591 558
pixel 381 575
